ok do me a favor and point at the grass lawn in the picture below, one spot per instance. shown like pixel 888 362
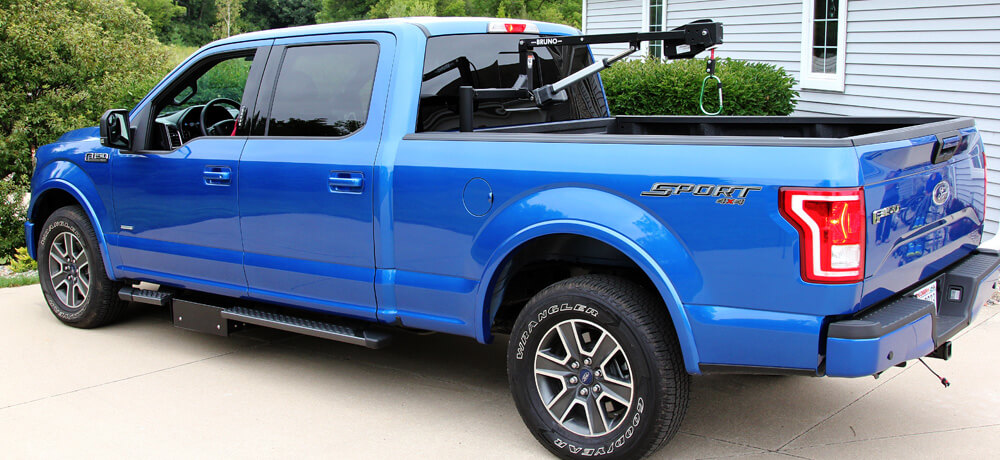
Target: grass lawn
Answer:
pixel 21 279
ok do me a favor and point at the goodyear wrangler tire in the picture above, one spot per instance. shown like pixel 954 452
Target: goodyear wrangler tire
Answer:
pixel 71 271
pixel 595 369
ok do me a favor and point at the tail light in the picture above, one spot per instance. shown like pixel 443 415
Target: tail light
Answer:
pixel 831 225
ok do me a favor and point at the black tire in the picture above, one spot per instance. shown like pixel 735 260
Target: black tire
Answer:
pixel 639 324
pixel 100 304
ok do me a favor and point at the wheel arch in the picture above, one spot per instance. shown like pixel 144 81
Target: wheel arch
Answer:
pixel 54 194
pixel 603 218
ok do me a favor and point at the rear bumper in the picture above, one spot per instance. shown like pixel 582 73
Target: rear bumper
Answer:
pixel 906 328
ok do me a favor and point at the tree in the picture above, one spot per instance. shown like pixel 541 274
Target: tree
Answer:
pixel 402 8
pixel 227 14
pixel 161 12
pixel 62 63
pixel 195 26
pixel 343 10
pixel 273 14
pixel 558 11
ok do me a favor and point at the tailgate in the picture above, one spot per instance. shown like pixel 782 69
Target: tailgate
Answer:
pixel 925 200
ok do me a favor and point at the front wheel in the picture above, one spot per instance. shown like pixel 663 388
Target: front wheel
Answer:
pixel 71 271
pixel 595 369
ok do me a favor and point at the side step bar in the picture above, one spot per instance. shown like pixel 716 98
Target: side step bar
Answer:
pixel 322 329
pixel 211 319
pixel 133 294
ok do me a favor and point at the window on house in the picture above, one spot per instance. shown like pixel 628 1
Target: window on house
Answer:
pixel 824 36
pixel 655 48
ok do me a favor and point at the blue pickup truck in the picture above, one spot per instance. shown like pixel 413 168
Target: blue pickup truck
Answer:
pixel 465 176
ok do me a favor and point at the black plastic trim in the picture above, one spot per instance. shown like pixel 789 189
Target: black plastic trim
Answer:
pixel 146 296
pixel 928 128
pixel 340 332
pixel 588 131
pixel 626 139
pixel 948 316
pixel 882 320
pixel 754 370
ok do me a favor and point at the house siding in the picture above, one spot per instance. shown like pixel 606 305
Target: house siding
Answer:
pixel 610 16
pixel 904 58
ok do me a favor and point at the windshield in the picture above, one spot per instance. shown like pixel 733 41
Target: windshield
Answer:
pixel 491 61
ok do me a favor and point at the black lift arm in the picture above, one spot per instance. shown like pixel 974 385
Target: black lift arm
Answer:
pixel 680 43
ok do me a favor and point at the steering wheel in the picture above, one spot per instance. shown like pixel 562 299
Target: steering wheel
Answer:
pixel 219 128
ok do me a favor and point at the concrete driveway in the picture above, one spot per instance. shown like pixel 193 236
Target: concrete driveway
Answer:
pixel 142 388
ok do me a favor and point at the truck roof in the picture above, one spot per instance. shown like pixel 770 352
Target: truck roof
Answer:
pixel 430 26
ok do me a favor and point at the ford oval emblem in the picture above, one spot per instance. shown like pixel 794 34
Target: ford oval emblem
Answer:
pixel 941 192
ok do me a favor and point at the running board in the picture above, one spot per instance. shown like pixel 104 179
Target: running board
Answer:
pixel 133 294
pixel 322 329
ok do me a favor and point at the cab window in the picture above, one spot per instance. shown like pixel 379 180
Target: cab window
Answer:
pixel 323 90
pixel 205 103
pixel 492 61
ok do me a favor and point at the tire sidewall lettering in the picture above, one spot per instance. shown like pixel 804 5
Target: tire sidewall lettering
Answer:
pixel 45 245
pixel 539 322
pixel 611 446
pixel 545 313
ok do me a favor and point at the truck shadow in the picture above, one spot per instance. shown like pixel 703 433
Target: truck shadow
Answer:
pixel 727 415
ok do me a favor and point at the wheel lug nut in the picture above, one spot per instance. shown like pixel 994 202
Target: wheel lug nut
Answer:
pixel 586 362
pixel 583 392
pixel 575 365
pixel 573 380
pixel 597 388
pixel 598 373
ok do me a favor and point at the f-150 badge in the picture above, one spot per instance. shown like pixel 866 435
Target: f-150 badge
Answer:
pixel 882 213
pixel 92 157
pixel 726 194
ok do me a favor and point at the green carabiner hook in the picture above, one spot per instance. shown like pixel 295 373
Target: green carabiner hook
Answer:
pixel 710 68
pixel 701 96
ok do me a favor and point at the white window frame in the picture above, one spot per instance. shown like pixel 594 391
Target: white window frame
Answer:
pixel 822 81
pixel 644 46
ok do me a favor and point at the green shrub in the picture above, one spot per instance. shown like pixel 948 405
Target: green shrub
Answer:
pixel 12 215
pixel 23 262
pixel 653 87
pixel 62 64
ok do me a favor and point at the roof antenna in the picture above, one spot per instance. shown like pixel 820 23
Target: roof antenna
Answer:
pixel 943 380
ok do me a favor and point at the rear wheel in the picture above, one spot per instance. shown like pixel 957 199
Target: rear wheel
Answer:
pixel 71 271
pixel 595 369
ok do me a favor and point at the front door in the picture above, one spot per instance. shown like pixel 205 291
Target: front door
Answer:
pixel 176 195
pixel 306 175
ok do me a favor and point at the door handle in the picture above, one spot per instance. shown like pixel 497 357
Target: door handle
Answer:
pixel 346 182
pixel 217 175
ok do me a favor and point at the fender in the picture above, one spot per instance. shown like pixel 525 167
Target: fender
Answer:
pixel 601 215
pixel 68 177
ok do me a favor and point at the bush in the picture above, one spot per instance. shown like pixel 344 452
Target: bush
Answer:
pixel 12 215
pixel 62 64
pixel 23 262
pixel 653 87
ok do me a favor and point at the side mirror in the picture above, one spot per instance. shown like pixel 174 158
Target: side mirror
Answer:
pixel 115 132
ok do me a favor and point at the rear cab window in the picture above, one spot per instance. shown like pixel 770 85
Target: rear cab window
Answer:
pixel 491 61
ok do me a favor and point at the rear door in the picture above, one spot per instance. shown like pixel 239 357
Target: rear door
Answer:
pixel 925 198
pixel 305 182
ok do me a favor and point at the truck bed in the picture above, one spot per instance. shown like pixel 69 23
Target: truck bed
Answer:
pixel 701 130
